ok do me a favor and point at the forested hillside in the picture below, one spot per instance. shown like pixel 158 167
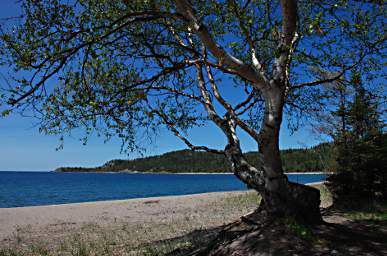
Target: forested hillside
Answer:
pixel 318 158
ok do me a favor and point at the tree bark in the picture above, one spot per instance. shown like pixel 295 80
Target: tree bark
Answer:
pixel 281 197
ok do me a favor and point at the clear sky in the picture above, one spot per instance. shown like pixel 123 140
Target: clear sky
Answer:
pixel 23 148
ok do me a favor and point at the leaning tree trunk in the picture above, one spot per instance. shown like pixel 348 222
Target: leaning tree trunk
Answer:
pixel 281 197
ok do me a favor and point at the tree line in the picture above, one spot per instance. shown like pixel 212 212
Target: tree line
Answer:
pixel 315 159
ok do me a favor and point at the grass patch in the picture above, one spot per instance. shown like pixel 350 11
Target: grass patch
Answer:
pixel 376 211
pixel 298 229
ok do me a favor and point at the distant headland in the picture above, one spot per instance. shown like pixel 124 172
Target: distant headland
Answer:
pixel 316 159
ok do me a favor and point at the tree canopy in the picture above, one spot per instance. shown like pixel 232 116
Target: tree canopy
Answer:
pixel 116 66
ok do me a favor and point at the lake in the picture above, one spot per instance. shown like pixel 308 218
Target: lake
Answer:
pixel 45 188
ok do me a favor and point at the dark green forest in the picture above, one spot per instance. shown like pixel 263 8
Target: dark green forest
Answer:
pixel 316 159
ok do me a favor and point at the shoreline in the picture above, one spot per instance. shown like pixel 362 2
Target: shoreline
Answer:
pixel 135 172
pixel 309 172
pixel 136 211
pixel 151 198
pixel 68 218
pixel 189 173
pixel 128 200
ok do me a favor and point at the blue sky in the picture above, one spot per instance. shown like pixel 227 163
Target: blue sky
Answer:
pixel 23 148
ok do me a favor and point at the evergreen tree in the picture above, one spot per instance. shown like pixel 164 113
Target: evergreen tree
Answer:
pixel 361 148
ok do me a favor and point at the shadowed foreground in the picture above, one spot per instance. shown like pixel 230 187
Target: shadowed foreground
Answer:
pixel 366 237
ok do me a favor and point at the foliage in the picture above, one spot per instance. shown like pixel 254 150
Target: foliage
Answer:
pixel 319 158
pixel 119 68
pixel 301 231
pixel 361 148
pixel 316 159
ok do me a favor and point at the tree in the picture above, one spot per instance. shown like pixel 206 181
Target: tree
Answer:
pixel 361 149
pixel 121 67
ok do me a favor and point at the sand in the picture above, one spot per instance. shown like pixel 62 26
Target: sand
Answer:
pixel 36 219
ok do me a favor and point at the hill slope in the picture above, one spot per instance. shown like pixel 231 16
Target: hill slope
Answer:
pixel 318 158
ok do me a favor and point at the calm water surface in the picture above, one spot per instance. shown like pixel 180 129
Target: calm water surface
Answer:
pixel 44 188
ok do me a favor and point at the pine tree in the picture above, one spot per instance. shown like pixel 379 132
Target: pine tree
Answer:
pixel 361 148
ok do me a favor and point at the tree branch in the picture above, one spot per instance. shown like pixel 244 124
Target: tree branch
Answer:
pixel 336 77
pixel 318 82
pixel 224 58
pixel 228 107
pixel 288 38
pixel 255 61
pixel 13 102
pixel 289 20
pixel 171 127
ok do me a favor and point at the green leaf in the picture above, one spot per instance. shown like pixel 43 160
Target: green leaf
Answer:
pixel 6 112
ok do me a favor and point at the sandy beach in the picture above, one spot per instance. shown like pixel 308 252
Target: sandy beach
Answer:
pixel 62 219
pixel 161 225
pixel 144 226
pixel 133 212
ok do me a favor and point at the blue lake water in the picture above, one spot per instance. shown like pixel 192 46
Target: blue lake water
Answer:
pixel 44 188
